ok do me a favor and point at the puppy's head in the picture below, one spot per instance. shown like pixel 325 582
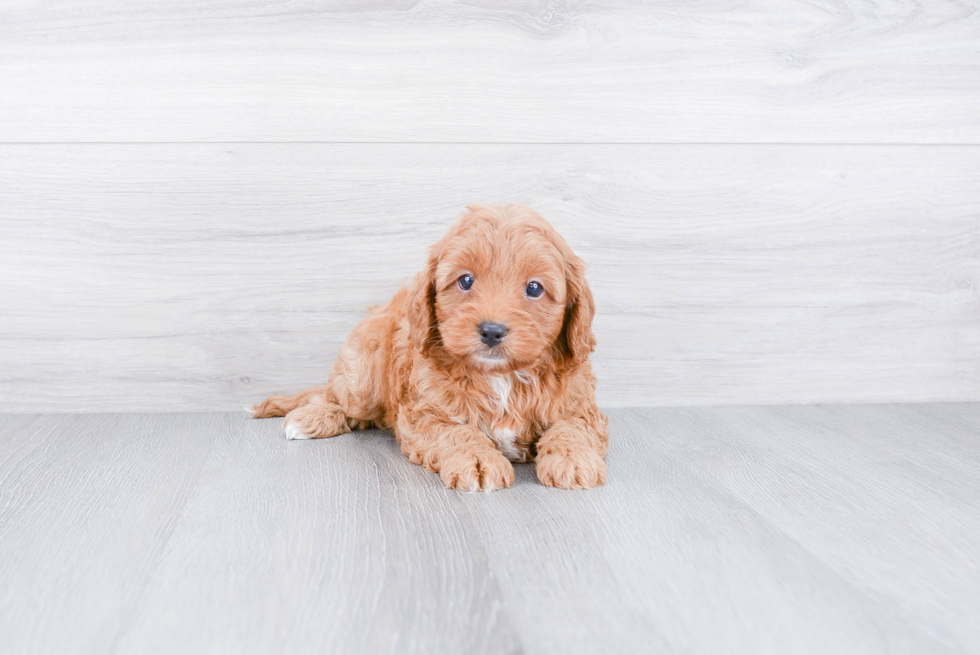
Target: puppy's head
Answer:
pixel 503 291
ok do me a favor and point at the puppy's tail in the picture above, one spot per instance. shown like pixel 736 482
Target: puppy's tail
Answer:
pixel 281 405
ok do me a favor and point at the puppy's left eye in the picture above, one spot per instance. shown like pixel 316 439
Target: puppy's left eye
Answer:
pixel 534 289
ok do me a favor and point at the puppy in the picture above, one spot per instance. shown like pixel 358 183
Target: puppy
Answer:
pixel 481 359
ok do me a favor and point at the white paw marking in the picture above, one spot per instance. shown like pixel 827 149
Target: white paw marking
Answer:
pixel 293 431
pixel 249 410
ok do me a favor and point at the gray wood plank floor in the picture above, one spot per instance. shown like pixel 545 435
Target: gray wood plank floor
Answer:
pixel 823 529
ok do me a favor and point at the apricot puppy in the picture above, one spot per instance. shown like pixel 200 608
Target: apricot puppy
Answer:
pixel 481 360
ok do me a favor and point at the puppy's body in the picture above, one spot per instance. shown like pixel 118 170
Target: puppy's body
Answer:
pixel 469 377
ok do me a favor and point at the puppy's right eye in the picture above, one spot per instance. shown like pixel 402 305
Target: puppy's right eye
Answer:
pixel 465 282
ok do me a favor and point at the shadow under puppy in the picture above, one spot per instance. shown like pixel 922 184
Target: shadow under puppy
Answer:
pixel 481 359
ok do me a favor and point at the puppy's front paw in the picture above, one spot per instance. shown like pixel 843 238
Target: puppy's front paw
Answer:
pixel 476 470
pixel 575 468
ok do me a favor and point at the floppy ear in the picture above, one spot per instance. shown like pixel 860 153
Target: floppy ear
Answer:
pixel 423 330
pixel 576 334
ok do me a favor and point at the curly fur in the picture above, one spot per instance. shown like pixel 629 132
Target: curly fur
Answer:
pixel 418 367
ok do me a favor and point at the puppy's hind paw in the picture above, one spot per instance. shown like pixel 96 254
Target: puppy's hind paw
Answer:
pixel 294 431
pixel 316 420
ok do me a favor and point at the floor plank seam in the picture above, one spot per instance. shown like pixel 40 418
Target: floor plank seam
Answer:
pixel 503 613
pixel 826 566
pixel 179 515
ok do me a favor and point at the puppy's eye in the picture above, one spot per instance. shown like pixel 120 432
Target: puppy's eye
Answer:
pixel 534 289
pixel 465 282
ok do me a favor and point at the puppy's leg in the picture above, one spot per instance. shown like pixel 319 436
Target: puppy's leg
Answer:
pixel 464 457
pixel 570 452
pixel 353 397
pixel 281 405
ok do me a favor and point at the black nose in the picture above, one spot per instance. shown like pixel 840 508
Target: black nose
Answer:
pixel 492 333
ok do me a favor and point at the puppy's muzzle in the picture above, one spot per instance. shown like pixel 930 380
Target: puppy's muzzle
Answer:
pixel 492 333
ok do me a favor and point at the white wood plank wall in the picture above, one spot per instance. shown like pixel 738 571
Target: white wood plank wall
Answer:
pixel 779 201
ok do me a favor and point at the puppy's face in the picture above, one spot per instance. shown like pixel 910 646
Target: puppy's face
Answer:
pixel 503 288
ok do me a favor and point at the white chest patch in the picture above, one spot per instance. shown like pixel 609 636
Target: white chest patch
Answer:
pixel 501 389
pixel 506 441
pixel 505 438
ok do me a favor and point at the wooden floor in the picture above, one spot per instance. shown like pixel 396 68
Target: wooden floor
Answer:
pixel 823 529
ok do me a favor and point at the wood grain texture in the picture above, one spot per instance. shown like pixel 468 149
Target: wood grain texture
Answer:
pixel 824 529
pixel 664 559
pixel 827 71
pixel 86 508
pixel 200 277
pixel 300 548
pixel 860 488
